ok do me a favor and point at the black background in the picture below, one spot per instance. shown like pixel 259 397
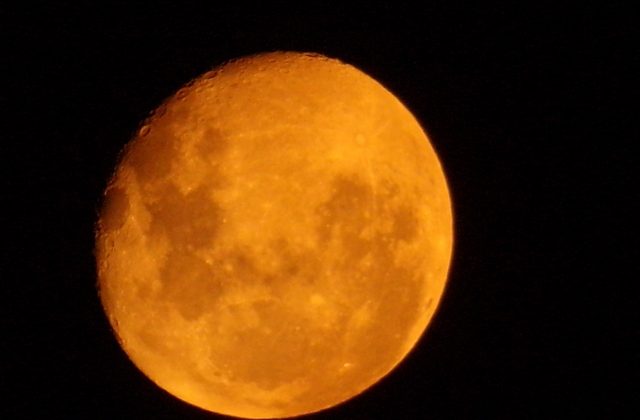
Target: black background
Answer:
pixel 523 105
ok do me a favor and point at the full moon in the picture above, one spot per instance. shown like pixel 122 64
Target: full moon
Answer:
pixel 275 238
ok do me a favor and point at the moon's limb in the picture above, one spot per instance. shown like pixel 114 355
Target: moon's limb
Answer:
pixel 276 239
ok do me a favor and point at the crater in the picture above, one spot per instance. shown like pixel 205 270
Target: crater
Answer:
pixel 348 214
pixel 115 209
pixel 151 156
pixel 405 223
pixel 213 143
pixel 189 220
pixel 189 283
pixel 372 279
pixel 293 263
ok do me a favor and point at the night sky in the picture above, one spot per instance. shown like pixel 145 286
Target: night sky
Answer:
pixel 523 105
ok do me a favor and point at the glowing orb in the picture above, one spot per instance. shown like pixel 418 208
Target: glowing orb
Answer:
pixel 275 239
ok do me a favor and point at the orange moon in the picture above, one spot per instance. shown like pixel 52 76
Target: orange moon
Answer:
pixel 276 237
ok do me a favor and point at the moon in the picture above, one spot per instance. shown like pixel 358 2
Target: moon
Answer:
pixel 276 237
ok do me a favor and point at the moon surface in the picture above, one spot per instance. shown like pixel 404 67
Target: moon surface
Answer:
pixel 276 237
